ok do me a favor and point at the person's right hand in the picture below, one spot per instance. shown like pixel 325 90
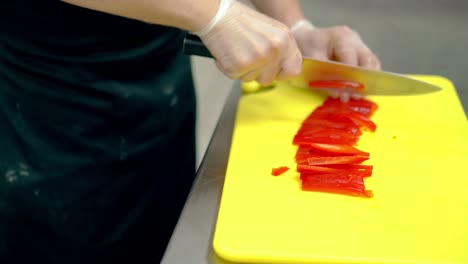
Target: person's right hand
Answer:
pixel 248 45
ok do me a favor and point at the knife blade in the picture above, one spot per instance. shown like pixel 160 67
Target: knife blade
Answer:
pixel 375 82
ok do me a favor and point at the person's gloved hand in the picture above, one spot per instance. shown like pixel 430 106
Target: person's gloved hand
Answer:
pixel 248 45
pixel 338 43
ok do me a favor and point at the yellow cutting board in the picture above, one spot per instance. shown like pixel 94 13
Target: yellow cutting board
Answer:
pixel 419 212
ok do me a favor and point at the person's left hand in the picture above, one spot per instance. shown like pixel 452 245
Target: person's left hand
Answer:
pixel 340 44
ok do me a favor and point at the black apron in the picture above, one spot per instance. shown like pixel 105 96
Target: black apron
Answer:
pixel 97 135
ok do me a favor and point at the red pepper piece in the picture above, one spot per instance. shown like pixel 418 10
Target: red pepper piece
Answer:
pixel 362 106
pixel 323 131
pixel 337 177
pixel 323 184
pixel 343 183
pixel 340 113
pixel 336 148
pixel 313 152
pixel 361 121
pixel 279 170
pixel 326 140
pixel 337 160
pixel 301 167
pixel 356 169
pixel 324 123
pixel 308 134
pixel 305 152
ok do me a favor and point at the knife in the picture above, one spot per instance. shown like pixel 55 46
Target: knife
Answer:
pixel 375 82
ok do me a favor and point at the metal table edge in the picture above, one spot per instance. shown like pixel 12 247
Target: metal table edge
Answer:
pixel 191 241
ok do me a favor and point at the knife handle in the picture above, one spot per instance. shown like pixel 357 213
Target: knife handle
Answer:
pixel 194 46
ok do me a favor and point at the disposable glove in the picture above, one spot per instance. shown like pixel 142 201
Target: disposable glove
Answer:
pixel 248 45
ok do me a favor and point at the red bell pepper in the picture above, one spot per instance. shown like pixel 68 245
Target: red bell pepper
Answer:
pixel 362 106
pixel 335 183
pixel 357 169
pixel 330 139
pixel 316 123
pixel 279 170
pixel 341 149
pixel 301 167
pixel 340 114
pixel 337 160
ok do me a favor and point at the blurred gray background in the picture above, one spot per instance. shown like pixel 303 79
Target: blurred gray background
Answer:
pixel 409 36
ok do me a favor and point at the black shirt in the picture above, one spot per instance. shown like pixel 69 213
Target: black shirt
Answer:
pixel 97 117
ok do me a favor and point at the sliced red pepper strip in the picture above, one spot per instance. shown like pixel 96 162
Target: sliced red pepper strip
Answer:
pixel 334 108
pixel 339 114
pixel 343 173
pixel 313 152
pixel 305 152
pixel 336 177
pixel 358 169
pixel 362 106
pixel 324 123
pixel 336 183
pixel 339 84
pixel 347 189
pixel 335 148
pixel 312 168
pixel 279 170
pixel 361 121
pixel 324 137
pixel 337 160
pixel 355 169
pixel 326 140
pixel 321 131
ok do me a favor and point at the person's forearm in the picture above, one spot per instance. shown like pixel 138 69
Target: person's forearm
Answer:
pixel 189 15
pixel 285 11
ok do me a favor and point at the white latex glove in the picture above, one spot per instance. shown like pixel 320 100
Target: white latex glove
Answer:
pixel 338 43
pixel 248 45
